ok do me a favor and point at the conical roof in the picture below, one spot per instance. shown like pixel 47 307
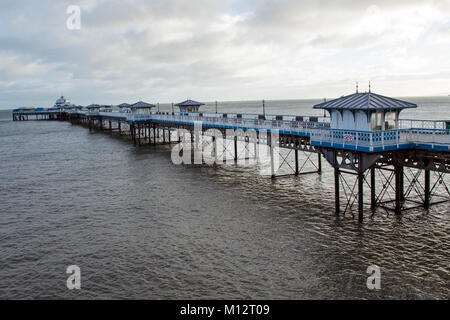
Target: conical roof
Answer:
pixel 189 103
pixel 141 105
pixel 364 101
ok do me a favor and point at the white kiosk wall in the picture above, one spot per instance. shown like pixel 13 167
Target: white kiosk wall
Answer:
pixel 336 119
pixel 348 121
pixel 361 122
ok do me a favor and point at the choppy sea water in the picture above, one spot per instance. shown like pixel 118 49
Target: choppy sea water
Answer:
pixel 141 227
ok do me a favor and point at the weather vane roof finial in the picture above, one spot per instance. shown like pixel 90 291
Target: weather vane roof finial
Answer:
pixel 356 86
pixel 369 85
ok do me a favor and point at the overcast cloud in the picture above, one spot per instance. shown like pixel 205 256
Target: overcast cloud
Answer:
pixel 168 50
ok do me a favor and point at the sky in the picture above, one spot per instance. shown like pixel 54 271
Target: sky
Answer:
pixel 170 50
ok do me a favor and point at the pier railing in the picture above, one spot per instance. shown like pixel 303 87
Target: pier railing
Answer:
pixel 432 134
pixel 425 134
pixel 236 123
pixel 237 116
pixel 34 112
pixel 284 117
pixel 321 133
pixel 375 140
pixel 423 124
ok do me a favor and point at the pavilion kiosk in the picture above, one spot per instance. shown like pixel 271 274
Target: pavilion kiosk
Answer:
pixel 93 107
pixel 124 107
pixel 189 106
pixel 141 107
pixel 106 108
pixel 62 103
pixel 364 112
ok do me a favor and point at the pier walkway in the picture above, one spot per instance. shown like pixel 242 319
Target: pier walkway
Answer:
pixel 377 159
pixel 414 134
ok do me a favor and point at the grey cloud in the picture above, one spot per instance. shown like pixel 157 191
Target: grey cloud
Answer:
pixel 153 48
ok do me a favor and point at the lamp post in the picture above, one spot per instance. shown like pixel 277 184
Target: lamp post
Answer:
pixel 216 106
pixel 264 108
pixel 325 100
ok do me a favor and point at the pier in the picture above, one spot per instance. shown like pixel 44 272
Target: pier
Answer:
pixel 377 157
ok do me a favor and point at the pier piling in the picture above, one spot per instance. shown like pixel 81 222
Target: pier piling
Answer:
pixel 426 202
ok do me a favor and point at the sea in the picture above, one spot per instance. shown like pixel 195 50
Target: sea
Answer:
pixel 139 226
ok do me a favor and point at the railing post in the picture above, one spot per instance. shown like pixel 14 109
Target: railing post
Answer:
pixel 357 139
pixel 332 137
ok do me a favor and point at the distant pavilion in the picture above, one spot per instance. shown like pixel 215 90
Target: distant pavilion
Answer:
pixel 124 107
pixel 364 111
pixel 93 107
pixel 141 107
pixel 106 108
pixel 189 106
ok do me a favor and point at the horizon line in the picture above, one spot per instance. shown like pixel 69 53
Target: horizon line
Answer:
pixel 253 100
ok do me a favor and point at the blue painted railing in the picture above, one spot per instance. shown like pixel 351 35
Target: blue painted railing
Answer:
pixel 425 134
